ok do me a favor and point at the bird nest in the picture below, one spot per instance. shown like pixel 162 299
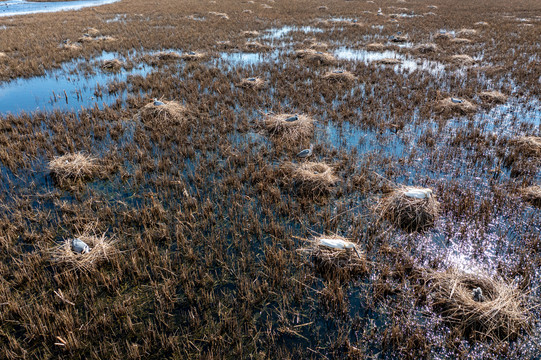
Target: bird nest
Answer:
pixel 223 16
pixel 406 212
pixel 523 155
pixel 279 127
pixel 339 76
pixel 256 46
pixel 73 167
pixel 312 179
pixel 461 41
pixel 399 39
pixel 170 113
pixel 166 56
pixel 314 57
pixel 92 32
pixel 447 106
pixel 493 97
pixel 388 61
pixel 250 33
pixel 462 59
pixel 255 83
pixel 68 46
pixel 102 250
pixel 499 313
pixel 375 47
pixel 336 264
pixel 443 36
pixel 193 56
pixel 467 32
pixel 426 48
pixel 532 194
pixel 112 65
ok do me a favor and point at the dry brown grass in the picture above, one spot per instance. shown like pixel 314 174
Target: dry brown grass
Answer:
pixel 443 36
pixel 255 83
pixel 193 56
pixel 532 194
pixel 467 32
pixel 289 131
pixel 375 47
pixel 112 65
pixel 250 33
pixel 102 250
pixel 312 179
pixel 314 57
pixel 399 39
pixel 171 113
pixel 407 213
pixel 460 41
pixel 256 46
pixel 447 107
pixel 92 32
pixel 493 97
pixel 167 56
pixel 426 48
pixel 502 315
pixel 223 16
pixel 527 145
pixel 339 75
pixel 73 167
pixel 462 59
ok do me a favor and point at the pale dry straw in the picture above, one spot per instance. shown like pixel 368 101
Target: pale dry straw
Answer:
pixel 77 166
pixel 277 126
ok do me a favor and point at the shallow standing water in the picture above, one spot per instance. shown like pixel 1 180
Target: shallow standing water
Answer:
pixel 22 7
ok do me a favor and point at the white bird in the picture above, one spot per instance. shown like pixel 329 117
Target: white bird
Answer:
pixel 457 101
pixel 306 152
pixel 158 102
pixel 477 294
pixel 339 244
pixel 191 53
pixel 418 193
pixel 79 246
pixel 338 71
pixel 292 118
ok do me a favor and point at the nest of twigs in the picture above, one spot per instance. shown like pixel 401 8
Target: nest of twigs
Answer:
pixel 193 56
pixel 501 314
pixel 339 76
pixel 73 167
pixel 337 264
pixel 278 127
pixel 310 179
pixel 255 83
pixel 256 46
pixel 170 113
pixel 447 106
pixel 314 57
pixel 408 213
pixel 102 250
pixel 493 97
pixel 523 155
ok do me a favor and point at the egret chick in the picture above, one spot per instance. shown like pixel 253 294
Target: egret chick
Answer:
pixel 79 246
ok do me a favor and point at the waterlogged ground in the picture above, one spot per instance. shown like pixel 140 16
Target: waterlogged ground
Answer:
pixel 211 240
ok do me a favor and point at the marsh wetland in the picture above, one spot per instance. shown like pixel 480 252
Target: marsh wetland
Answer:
pixel 270 180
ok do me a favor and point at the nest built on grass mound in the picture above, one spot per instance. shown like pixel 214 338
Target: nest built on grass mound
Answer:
pixel 255 83
pixel 462 59
pixel 335 261
pixel 495 97
pixel 478 305
pixel 388 61
pixel 73 167
pixel 112 65
pixel 532 194
pixel 523 155
pixel 166 56
pixel 193 56
pixel 460 41
pixel 339 76
pixel 170 113
pixel 426 48
pixel 314 57
pixel 101 249
pixel 256 46
pixel 409 208
pixel 375 47
pixel 312 179
pixel 452 105
pixel 289 127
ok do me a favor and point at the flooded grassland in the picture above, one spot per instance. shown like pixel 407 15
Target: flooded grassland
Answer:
pixel 277 179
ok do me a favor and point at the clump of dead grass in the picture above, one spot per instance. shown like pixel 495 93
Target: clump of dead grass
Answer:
pixel 426 48
pixel 339 76
pixel 527 145
pixel 388 61
pixel 167 56
pixel 193 56
pixel 462 59
pixel 493 97
pixel 73 167
pixel 312 179
pixel 92 32
pixel 467 32
pixel 502 313
pixel 375 47
pixel 314 57
pixel 461 41
pixel 443 36
pixel 256 46
pixel 408 213
pixel 102 250
pixel 399 39
pixel 447 106
pixel 250 33
pixel 289 131
pixel 223 16
pixel 255 83
pixel 170 113
pixel 112 65
pixel 68 46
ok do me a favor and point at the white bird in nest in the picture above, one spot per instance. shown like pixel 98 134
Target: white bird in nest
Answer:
pixel 306 152
pixel 292 118
pixel 339 244
pixel 79 246
pixel 418 193
pixel 457 101
pixel 158 102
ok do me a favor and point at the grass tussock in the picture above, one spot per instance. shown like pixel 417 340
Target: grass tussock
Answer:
pixel 170 113
pixel 92 32
pixel 311 179
pixel 389 61
pixel 426 48
pixel 102 250
pixel 255 83
pixel 462 59
pixel 443 36
pixel 223 16
pixel 73 167
pixel 300 129
pixel 256 46
pixel 337 264
pixel 340 76
pixel 68 47
pixel 408 213
pixel 112 65
pixel 499 313
pixel 461 41
pixel 375 47
pixel 167 56
pixel 193 56
pixel 250 33
pixel 314 57
pixel 532 195
pixel 467 32
pixel 493 97
pixel 450 105
pixel 527 145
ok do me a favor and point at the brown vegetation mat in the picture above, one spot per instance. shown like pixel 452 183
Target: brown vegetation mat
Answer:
pixel 73 167
pixel 447 107
pixel 255 83
pixel 300 129
pixel 493 97
pixel 112 65
pixel 311 179
pixel 532 194
pixel 375 47
pixel 339 76
pixel 408 213
pixel 501 314
pixel 426 48
pixel 462 59
pixel 314 57
pixel 157 116
pixel 388 61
